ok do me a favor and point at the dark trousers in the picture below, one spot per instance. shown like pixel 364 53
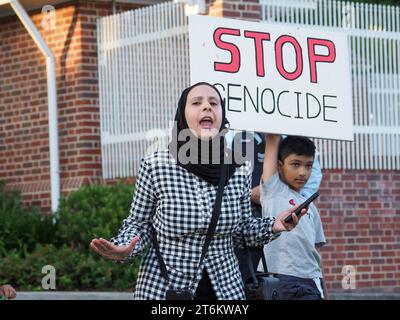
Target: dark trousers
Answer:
pixel 204 289
pixel 255 252
pixel 294 288
pixel 242 256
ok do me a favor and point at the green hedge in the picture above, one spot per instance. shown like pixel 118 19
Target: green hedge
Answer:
pixel 30 240
pixel 76 269
pixel 19 228
pixel 92 212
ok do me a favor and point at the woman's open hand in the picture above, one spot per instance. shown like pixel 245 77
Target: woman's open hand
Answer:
pixel 111 251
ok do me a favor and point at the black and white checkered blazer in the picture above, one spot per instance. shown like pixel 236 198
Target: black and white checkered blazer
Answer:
pixel 178 205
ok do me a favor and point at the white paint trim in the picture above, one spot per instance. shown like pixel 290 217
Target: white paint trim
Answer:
pixel 52 100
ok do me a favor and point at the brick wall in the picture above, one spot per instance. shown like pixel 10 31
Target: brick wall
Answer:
pixel 360 211
pixel 24 156
pixel 235 9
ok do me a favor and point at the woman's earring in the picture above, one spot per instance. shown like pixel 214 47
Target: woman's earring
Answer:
pixel 227 124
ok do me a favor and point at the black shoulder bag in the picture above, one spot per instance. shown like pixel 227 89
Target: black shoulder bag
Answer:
pixel 187 293
pixel 261 285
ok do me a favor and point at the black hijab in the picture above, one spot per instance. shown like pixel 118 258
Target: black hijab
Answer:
pixel 214 153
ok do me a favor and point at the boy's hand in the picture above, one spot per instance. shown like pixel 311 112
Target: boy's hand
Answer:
pixel 272 137
pixel 280 224
pixel 255 195
pixel 8 292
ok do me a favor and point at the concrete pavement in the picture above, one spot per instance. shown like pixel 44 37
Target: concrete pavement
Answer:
pixel 64 295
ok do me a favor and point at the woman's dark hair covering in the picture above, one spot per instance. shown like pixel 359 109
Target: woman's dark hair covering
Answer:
pixel 207 158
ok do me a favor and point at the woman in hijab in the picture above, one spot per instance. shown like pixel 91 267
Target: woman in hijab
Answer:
pixel 175 195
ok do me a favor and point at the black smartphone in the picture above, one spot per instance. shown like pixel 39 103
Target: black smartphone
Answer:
pixel 305 204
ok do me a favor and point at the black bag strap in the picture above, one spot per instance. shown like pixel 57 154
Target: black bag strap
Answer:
pixel 161 262
pixel 210 231
pixel 251 265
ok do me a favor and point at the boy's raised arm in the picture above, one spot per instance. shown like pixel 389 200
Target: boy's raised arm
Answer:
pixel 270 156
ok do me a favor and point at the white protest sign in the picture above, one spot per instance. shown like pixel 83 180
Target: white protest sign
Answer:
pixel 279 79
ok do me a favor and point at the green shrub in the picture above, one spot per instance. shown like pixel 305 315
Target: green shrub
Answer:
pixel 76 270
pixel 93 211
pixel 29 241
pixel 21 228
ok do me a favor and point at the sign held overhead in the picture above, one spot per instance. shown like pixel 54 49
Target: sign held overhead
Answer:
pixel 279 79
